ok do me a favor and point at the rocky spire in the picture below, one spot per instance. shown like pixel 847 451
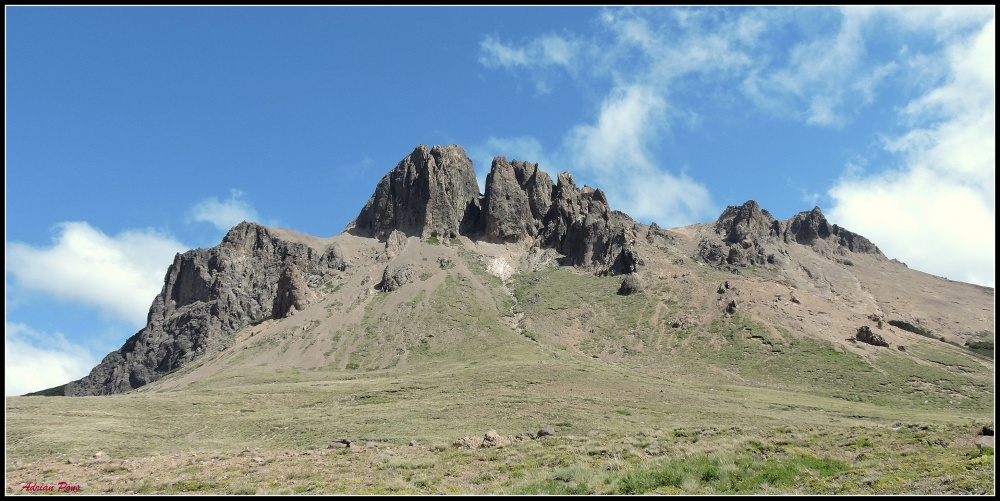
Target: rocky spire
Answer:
pixel 518 196
pixel 431 192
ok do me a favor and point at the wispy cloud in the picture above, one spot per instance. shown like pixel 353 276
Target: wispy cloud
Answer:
pixel 119 275
pixel 656 70
pixel 938 211
pixel 548 50
pixel 224 214
pixel 616 147
pixel 35 361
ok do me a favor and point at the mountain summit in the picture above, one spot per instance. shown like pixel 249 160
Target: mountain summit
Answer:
pixel 427 231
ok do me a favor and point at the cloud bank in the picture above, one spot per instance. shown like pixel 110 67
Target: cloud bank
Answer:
pixel 937 212
pixel 34 361
pixel 118 275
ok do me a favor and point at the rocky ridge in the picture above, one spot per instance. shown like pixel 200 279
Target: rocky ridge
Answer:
pixel 208 295
pixel 258 273
pixel 750 236
pixel 432 193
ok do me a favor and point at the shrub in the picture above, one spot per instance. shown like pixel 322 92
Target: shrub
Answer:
pixel 906 326
pixel 981 347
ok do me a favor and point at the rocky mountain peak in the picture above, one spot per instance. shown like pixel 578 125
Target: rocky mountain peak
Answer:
pixel 752 236
pixel 805 227
pixel 255 273
pixel 431 192
pixel 747 221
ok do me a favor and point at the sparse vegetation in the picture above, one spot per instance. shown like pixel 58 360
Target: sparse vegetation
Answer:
pixel 912 328
pixel 652 393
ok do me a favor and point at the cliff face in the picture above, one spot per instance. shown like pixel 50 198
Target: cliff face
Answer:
pixel 751 236
pixel 208 295
pixel 257 273
pixel 431 192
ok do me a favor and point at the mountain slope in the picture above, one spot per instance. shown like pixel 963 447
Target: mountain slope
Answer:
pixel 746 342
pixel 431 271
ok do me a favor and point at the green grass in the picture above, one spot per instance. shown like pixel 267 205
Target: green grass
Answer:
pixel 721 406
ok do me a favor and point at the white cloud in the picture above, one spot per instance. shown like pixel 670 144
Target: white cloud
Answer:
pixel 226 214
pixel 119 275
pixel 825 76
pixel 548 50
pixel 616 148
pixel 938 212
pixel 629 117
pixel 34 361
pixel 494 54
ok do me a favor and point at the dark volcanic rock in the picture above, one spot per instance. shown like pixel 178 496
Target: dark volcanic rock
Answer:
pixel 746 223
pixel 807 227
pixel 630 285
pixel 434 193
pixel 518 196
pixel 431 192
pixel 394 278
pixel 747 236
pixel 750 236
pixel 207 295
pixel 865 335
pixel 655 234
pixel 581 226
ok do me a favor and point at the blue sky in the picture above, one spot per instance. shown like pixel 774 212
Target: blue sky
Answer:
pixel 135 133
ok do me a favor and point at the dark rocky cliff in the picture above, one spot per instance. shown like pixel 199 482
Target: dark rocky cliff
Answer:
pixel 258 273
pixel 208 295
pixel 752 236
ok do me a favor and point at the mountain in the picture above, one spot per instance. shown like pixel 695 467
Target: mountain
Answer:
pixel 598 355
pixel 802 277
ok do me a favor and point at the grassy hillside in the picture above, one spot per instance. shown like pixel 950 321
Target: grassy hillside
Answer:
pixel 657 392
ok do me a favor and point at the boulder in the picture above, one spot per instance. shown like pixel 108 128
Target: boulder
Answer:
pixel 865 335
pixel 630 285
pixel 395 277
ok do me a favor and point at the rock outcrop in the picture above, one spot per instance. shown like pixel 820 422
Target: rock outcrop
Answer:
pixel 431 192
pixel 208 295
pixel 393 278
pixel 293 292
pixel 751 236
pixel 866 335
pixel 806 227
pixel 517 200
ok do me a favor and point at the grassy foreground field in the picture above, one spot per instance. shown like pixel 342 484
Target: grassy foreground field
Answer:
pixel 612 432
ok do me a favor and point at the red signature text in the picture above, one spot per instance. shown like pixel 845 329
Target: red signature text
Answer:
pixel 61 487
